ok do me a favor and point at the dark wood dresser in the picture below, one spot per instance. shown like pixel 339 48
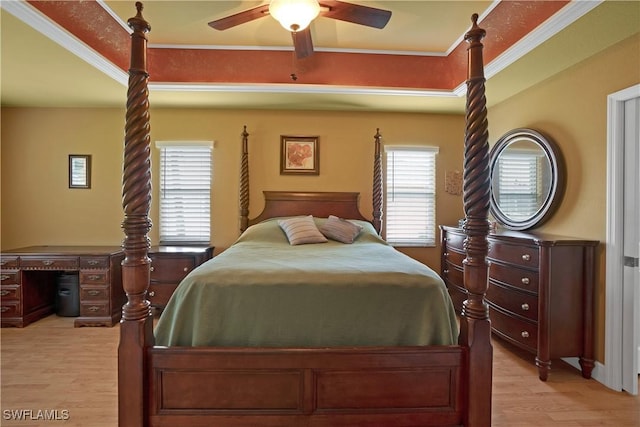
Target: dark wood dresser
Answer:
pixel 169 265
pixel 540 292
pixel 29 277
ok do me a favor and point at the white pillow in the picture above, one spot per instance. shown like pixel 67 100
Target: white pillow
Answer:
pixel 301 230
pixel 340 229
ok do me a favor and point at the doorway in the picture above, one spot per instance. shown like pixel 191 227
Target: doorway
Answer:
pixel 622 320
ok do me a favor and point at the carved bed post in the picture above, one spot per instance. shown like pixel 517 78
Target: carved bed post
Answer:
pixel 136 326
pixel 244 182
pixel 475 327
pixel 377 183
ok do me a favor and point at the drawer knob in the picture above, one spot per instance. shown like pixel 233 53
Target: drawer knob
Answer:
pixel 185 269
pixel 94 308
pixel 525 280
pixel 3 309
pixel 525 306
pixel 151 269
pixel 47 262
pixel 4 293
pixel 526 257
pixel 93 292
pixel 152 293
pixel 93 277
pixel 4 277
pixel 446 271
pixel 524 334
pixel 93 262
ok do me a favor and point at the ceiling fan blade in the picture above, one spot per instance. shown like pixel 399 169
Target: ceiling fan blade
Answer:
pixel 354 13
pixel 302 43
pixel 240 18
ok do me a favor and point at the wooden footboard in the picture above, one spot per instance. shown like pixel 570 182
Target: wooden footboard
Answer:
pixel 333 387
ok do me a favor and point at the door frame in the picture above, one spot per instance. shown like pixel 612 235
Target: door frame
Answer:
pixel 614 243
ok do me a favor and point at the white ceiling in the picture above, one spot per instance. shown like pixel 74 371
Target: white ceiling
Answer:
pixel 37 71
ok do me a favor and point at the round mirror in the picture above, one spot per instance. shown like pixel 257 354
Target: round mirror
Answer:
pixel 527 179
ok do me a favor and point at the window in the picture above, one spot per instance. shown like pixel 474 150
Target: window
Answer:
pixel 411 196
pixel 519 184
pixel 185 192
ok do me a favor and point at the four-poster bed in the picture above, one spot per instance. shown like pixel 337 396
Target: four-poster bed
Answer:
pixel 397 385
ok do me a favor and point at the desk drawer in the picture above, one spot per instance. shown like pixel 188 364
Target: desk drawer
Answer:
pixel 10 309
pixel 94 293
pixel 49 263
pixel 9 261
pixel 89 262
pixel 10 292
pixel 93 277
pixel 94 309
pixel 10 278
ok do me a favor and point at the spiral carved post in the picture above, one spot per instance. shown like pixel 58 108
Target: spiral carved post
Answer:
pixel 244 182
pixel 475 327
pixel 136 333
pixel 377 182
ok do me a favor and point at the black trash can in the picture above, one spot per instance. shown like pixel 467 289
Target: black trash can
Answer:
pixel 68 295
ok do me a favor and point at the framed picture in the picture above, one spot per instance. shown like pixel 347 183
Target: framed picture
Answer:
pixel 79 171
pixel 299 155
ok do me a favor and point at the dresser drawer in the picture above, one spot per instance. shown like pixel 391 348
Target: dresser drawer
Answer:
pixel 89 262
pixel 513 276
pixel 454 257
pixel 49 263
pixel 159 294
pixel 171 269
pixel 455 240
pixel 453 275
pixel 9 261
pixel 94 309
pixel 10 277
pixel 94 277
pixel 10 292
pixel 93 293
pixel 10 309
pixel 520 331
pixel 524 256
pixel 519 303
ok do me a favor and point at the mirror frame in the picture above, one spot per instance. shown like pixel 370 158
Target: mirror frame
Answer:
pixel 556 187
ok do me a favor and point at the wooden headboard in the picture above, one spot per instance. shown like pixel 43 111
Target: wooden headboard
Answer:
pixel 319 204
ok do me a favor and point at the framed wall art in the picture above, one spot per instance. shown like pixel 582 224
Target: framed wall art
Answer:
pixel 299 155
pixel 79 171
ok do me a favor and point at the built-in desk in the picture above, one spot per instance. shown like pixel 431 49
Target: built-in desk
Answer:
pixel 28 288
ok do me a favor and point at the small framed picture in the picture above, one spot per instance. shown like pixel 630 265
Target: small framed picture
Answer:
pixel 299 155
pixel 79 171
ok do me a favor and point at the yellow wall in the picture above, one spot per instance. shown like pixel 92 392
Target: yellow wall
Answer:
pixel 571 109
pixel 39 208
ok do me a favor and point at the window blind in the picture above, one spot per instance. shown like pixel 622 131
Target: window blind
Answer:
pixel 518 177
pixel 411 196
pixel 185 192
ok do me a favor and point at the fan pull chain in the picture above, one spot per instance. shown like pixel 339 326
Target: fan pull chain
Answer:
pixel 294 64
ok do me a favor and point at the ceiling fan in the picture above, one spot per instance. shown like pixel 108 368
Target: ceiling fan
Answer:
pixel 296 15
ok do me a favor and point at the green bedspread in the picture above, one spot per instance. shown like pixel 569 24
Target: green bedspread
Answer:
pixel 264 292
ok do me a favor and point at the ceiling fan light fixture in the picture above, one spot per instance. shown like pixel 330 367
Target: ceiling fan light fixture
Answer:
pixel 294 15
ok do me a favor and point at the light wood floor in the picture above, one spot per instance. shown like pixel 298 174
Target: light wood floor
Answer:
pixel 50 365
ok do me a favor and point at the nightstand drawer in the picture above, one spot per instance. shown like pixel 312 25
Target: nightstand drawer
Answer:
pixel 89 262
pixel 159 294
pixel 169 269
pixel 513 276
pixel 519 303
